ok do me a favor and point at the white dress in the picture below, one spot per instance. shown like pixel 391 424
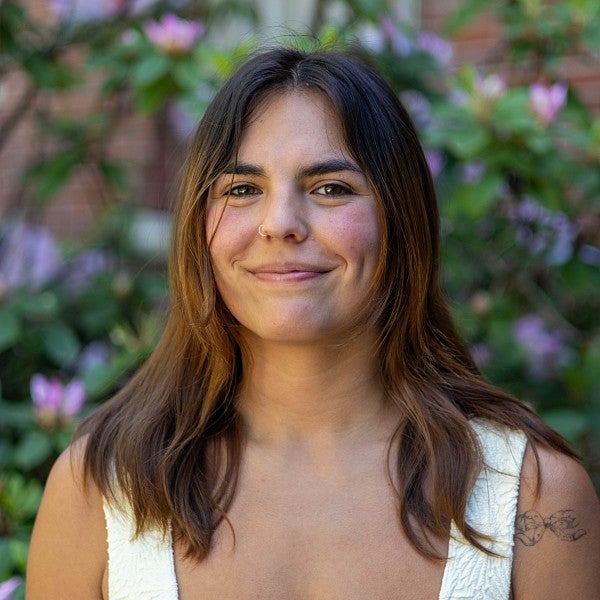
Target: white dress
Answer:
pixel 144 568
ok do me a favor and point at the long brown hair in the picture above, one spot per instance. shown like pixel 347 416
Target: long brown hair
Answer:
pixel 171 441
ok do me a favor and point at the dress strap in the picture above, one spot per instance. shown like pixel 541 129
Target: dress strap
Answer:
pixel 491 510
pixel 139 568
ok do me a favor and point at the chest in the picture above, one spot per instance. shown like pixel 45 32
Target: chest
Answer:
pixel 301 544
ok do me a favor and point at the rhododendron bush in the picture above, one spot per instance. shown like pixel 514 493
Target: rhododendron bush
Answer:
pixel 514 152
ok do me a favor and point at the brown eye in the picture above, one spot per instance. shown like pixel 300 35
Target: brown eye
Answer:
pixel 244 189
pixel 333 189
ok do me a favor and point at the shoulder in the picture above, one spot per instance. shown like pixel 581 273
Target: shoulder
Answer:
pixel 68 554
pixel 557 531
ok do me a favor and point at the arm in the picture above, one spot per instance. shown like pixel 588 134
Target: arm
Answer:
pixel 68 554
pixel 557 537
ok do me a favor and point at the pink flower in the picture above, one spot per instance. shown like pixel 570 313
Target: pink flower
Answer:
pixel 172 35
pixel 547 102
pixel 8 587
pixel 54 402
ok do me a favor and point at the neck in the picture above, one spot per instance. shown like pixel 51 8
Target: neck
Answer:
pixel 313 395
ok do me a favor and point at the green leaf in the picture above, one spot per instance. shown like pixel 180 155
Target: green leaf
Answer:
pixel 61 439
pixel 463 16
pixel 6 563
pixel 369 9
pixel 32 450
pixel 41 306
pixel 187 74
pixel 60 343
pixel 476 200
pixel 590 372
pixel 99 316
pixel 114 174
pixel 591 38
pixel 571 424
pixel 151 98
pixel 19 497
pixel 17 415
pixel 10 329
pixel 18 550
pixel 511 113
pixel 47 73
pixel 53 174
pixel 468 143
pixel 13 21
pixel 150 69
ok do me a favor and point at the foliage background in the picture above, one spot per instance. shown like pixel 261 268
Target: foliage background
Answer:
pixel 514 151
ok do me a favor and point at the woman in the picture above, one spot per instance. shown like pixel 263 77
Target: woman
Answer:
pixel 310 424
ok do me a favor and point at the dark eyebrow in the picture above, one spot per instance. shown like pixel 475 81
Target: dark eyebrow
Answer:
pixel 334 165
pixel 243 169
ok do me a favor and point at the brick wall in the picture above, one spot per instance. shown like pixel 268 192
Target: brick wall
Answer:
pixel 143 144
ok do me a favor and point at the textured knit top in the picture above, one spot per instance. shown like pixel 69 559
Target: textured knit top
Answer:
pixel 143 568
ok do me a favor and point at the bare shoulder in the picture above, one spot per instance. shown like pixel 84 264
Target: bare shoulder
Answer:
pixel 557 534
pixel 68 555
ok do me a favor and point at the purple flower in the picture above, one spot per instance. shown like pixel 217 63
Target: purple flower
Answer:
pixel 481 354
pixel 182 122
pixel 398 41
pixel 95 354
pixel 543 232
pixel 54 402
pixel 172 35
pixel 547 102
pixel 435 161
pixel 418 107
pixel 29 257
pixel 590 255
pixel 84 11
pixel 439 48
pixel 472 172
pixel 8 587
pixel 370 37
pixel 544 350
pixel 79 11
pixel 184 115
pixel 83 270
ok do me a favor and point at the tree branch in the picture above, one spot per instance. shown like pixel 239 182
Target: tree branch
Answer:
pixel 18 112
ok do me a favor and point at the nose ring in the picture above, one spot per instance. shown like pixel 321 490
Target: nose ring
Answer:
pixel 261 231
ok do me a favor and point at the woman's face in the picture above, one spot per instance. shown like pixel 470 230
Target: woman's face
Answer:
pixel 307 278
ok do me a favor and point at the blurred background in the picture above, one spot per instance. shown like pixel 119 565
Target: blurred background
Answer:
pixel 98 99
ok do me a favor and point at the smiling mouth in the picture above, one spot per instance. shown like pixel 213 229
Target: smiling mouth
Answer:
pixel 288 276
pixel 288 273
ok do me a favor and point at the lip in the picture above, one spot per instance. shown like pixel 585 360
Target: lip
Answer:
pixel 288 271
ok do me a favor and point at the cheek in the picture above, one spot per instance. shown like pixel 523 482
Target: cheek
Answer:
pixel 229 233
pixel 357 234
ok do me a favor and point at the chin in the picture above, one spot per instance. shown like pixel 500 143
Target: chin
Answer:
pixel 301 333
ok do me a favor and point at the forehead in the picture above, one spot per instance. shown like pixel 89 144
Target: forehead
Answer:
pixel 303 119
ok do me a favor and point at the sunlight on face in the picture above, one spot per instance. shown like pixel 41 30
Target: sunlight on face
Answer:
pixel 308 276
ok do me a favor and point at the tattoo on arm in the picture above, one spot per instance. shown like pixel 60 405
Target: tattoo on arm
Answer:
pixel 530 526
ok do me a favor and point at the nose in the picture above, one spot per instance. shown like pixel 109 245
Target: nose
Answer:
pixel 284 216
